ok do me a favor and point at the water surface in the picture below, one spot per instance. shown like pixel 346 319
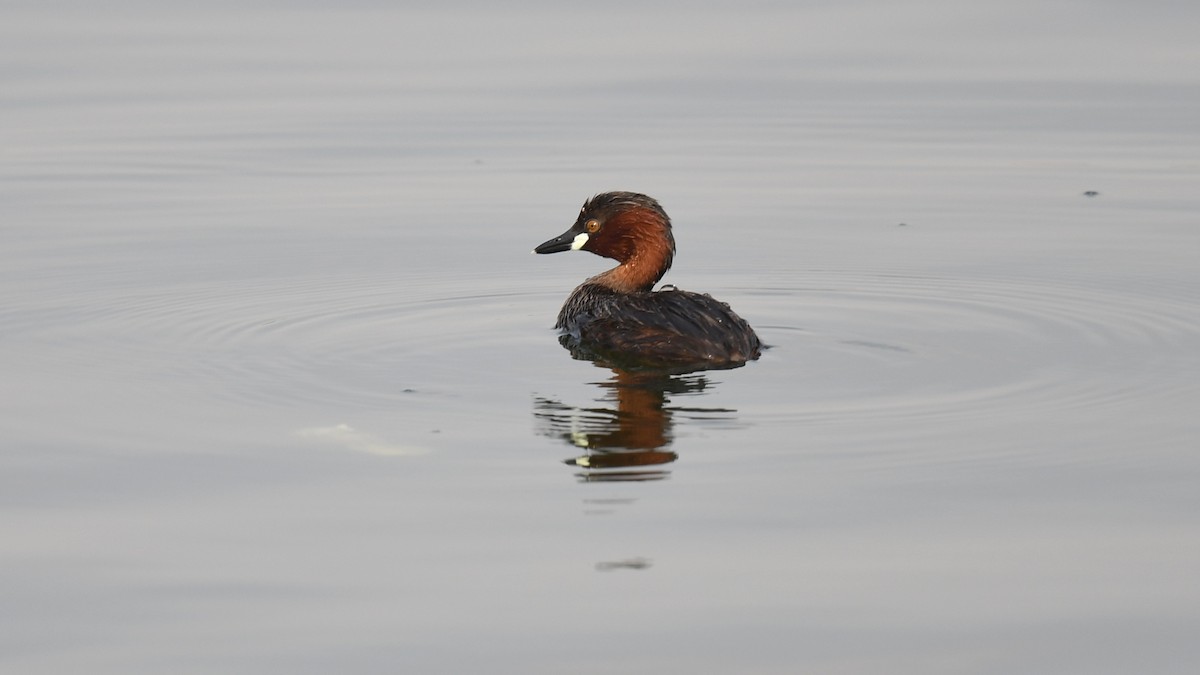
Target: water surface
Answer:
pixel 281 394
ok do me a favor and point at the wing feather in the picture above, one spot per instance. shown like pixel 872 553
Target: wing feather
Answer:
pixel 670 327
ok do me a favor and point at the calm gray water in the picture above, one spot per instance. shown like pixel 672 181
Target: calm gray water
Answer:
pixel 280 392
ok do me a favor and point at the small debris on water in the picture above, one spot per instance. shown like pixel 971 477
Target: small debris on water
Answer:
pixel 638 563
pixel 1091 193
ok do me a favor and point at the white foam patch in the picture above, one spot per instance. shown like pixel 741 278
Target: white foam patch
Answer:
pixel 349 438
pixel 579 241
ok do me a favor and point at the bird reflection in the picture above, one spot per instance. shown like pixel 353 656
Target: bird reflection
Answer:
pixel 626 436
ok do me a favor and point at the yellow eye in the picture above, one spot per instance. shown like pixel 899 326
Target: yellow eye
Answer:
pixel 592 226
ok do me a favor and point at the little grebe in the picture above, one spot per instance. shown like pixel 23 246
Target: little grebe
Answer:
pixel 616 315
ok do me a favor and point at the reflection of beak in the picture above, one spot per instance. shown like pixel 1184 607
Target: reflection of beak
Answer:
pixel 567 241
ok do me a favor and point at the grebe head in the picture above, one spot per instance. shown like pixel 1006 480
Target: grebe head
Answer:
pixel 628 227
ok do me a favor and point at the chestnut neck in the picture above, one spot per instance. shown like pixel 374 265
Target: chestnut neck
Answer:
pixel 641 241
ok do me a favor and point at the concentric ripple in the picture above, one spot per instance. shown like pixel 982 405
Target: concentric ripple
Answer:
pixel 353 341
pixel 844 344
pixel 937 349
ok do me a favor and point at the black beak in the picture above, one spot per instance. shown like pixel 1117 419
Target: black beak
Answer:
pixel 558 244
